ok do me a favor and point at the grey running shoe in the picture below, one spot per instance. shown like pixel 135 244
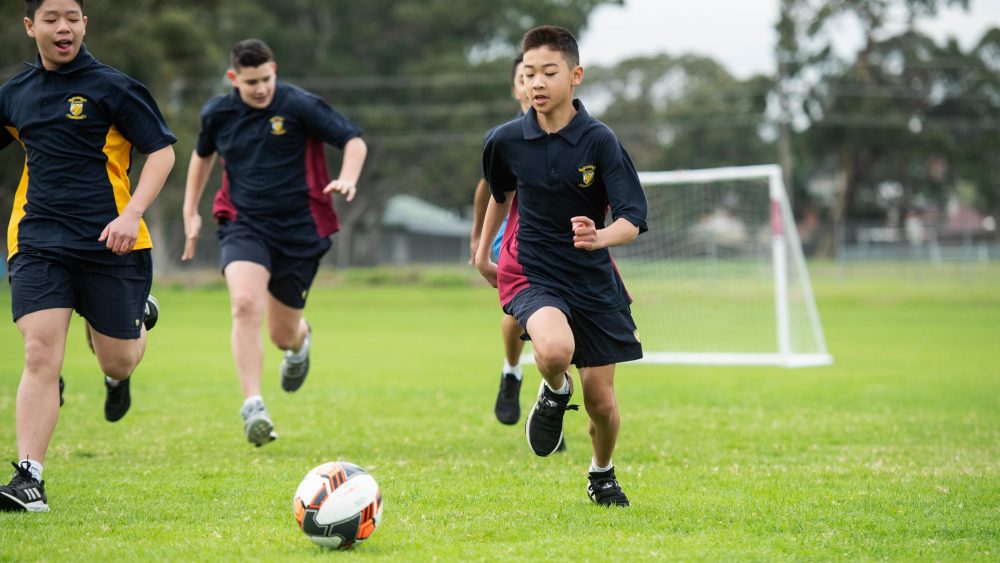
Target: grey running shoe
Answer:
pixel 293 373
pixel 24 493
pixel 544 424
pixel 257 425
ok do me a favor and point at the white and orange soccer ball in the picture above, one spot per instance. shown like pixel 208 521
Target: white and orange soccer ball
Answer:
pixel 338 505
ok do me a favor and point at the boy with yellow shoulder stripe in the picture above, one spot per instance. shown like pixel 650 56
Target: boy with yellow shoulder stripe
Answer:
pixel 76 238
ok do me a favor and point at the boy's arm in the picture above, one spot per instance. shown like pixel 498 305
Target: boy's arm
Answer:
pixel 355 152
pixel 588 237
pixel 495 212
pixel 480 200
pixel 122 233
pixel 199 169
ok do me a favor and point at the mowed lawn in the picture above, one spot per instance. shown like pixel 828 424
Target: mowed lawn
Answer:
pixel 891 453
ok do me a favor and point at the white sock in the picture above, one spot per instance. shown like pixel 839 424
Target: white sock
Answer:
pixel 514 369
pixel 252 399
pixel 564 390
pixel 595 469
pixel 111 382
pixel 300 354
pixel 34 467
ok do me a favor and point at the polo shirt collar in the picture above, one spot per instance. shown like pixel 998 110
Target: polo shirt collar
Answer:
pixel 572 132
pixel 82 59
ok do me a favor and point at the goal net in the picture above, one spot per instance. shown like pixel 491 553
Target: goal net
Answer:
pixel 719 278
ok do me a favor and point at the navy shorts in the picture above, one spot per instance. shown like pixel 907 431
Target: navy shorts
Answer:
pixel 108 290
pixel 291 275
pixel 602 338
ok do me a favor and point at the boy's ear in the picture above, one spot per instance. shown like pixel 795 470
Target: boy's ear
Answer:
pixel 231 75
pixel 29 27
pixel 577 76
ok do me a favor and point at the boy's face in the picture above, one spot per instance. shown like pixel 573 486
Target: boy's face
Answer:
pixel 518 89
pixel 549 80
pixel 255 83
pixel 58 29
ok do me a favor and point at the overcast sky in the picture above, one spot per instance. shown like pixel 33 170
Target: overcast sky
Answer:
pixel 738 33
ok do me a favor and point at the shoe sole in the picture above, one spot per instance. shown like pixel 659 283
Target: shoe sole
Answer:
pixel 527 428
pixel 12 504
pixel 260 432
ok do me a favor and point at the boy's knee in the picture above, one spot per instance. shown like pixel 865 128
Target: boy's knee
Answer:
pixel 39 356
pixel 553 355
pixel 119 366
pixel 600 408
pixel 245 306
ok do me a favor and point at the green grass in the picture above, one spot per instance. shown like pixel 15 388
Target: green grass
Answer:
pixel 891 453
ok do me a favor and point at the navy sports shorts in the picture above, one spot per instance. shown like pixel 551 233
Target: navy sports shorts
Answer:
pixel 602 338
pixel 291 276
pixel 108 290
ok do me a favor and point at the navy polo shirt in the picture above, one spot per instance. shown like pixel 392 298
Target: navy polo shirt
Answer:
pixel 77 125
pixel 274 168
pixel 580 170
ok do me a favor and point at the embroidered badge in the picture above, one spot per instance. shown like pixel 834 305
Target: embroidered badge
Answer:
pixel 76 107
pixel 278 125
pixel 589 172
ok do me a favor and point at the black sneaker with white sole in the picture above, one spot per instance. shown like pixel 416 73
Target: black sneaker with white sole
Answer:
pixel 604 489
pixel 544 424
pixel 508 405
pixel 117 401
pixel 151 313
pixel 24 493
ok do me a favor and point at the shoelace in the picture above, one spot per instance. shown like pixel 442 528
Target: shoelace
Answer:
pixel 21 473
pixel 554 407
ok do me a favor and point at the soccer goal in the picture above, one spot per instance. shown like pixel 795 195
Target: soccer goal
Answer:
pixel 720 278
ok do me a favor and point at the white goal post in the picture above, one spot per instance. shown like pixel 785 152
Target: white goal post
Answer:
pixel 720 277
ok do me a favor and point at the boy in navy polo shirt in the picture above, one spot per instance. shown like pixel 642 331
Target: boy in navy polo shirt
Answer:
pixel 274 211
pixel 76 238
pixel 556 172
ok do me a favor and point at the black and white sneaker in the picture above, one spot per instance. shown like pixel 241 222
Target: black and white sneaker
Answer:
pixel 544 424
pixel 293 371
pixel 562 446
pixel 257 425
pixel 151 313
pixel 508 406
pixel 118 400
pixel 603 489
pixel 24 493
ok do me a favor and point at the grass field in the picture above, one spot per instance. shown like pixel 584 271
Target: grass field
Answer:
pixel 891 453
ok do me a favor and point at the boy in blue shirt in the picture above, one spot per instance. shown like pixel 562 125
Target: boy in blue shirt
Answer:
pixel 76 238
pixel 274 211
pixel 556 172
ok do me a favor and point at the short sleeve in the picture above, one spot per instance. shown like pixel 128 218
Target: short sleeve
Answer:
pixel 138 118
pixel 326 123
pixel 205 143
pixel 496 169
pixel 621 181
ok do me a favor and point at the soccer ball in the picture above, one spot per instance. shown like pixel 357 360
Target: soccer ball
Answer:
pixel 338 505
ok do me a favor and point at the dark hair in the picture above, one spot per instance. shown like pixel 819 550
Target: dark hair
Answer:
pixel 555 38
pixel 32 6
pixel 250 53
pixel 513 68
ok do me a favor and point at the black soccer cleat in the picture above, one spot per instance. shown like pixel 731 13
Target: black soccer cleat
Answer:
pixel 151 313
pixel 543 425
pixel 603 489
pixel 562 446
pixel 508 406
pixel 24 493
pixel 62 386
pixel 118 400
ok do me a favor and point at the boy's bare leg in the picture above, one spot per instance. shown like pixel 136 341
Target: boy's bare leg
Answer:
pixel 602 408
pixel 247 283
pixel 553 342
pixel 37 407
pixel 512 343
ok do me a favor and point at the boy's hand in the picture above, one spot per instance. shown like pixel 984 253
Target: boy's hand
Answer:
pixel 473 248
pixel 487 268
pixel 347 189
pixel 585 233
pixel 121 234
pixel 192 227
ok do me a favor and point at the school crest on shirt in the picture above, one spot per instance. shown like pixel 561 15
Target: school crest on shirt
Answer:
pixel 589 172
pixel 76 108
pixel 278 125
